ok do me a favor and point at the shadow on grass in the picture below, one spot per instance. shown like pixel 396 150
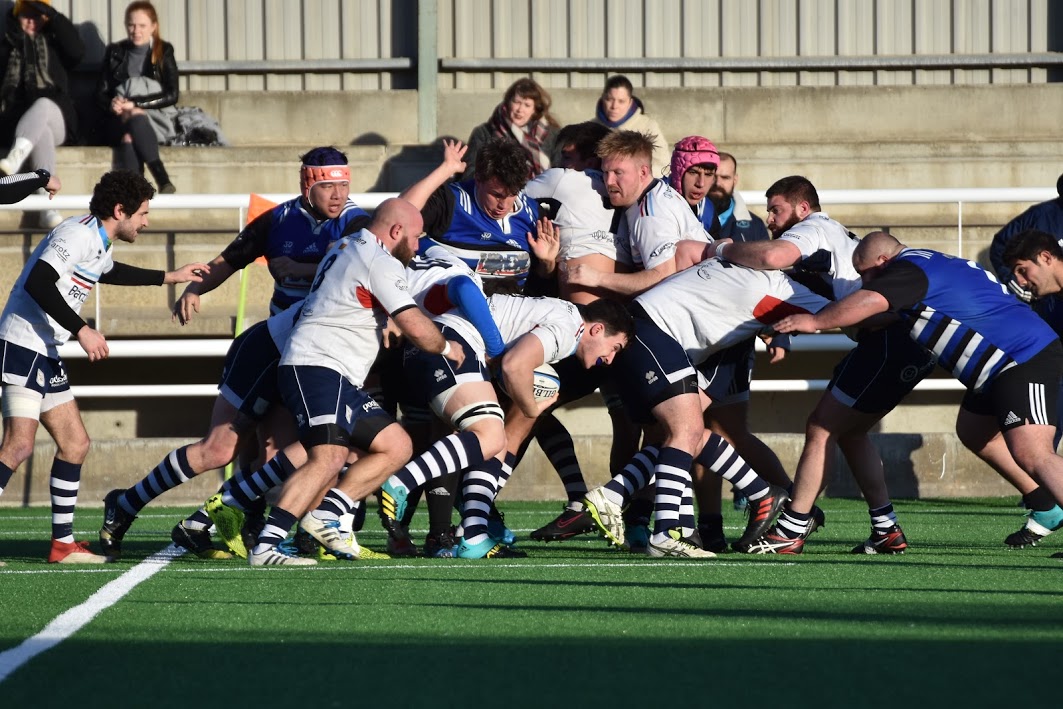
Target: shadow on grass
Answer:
pixel 349 669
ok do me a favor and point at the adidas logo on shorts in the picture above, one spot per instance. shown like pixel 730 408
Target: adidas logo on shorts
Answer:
pixel 1012 419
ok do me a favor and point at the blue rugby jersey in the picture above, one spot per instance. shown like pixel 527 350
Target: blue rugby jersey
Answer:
pixel 961 313
pixel 493 248
pixel 291 230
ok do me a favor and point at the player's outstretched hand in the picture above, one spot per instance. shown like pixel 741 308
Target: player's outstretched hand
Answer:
pixel 185 307
pixel 803 322
pixel 189 273
pixel 545 243
pixel 453 154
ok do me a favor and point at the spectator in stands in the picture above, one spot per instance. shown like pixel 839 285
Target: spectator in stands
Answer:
pixel 524 117
pixel 37 113
pixel 138 92
pixel 620 109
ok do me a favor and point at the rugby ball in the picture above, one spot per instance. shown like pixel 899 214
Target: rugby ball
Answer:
pixel 545 382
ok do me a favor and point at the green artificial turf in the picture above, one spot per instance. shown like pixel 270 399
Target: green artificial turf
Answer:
pixel 959 618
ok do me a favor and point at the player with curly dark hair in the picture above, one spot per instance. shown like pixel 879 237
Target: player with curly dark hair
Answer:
pixel 42 313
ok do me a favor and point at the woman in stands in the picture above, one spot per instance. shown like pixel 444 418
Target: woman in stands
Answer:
pixel 620 109
pixel 138 91
pixel 524 117
pixel 37 113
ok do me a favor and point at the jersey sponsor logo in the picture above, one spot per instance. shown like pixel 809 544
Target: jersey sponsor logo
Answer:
pixel 662 249
pixel 486 236
pixel 369 406
pixel 57 380
pixel 77 293
pixel 602 236
pixel 651 377
pixel 912 373
pixel 401 285
pixel 59 247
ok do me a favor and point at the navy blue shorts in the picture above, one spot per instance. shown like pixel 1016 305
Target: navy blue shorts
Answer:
pixel 1027 393
pixel 25 368
pixel 249 376
pixel 429 375
pixel 328 408
pixel 652 369
pixel 727 373
pixel 883 368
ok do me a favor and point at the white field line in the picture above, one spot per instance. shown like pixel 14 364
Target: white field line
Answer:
pixel 71 621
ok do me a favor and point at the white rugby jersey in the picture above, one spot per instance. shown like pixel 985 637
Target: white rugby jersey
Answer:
pixel 428 276
pixel 557 323
pixel 716 304
pixel 80 252
pixel 826 253
pixel 653 225
pixel 357 285
pixel 577 202
pixel 280 325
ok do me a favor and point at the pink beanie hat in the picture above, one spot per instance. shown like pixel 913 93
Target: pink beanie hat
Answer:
pixel 690 151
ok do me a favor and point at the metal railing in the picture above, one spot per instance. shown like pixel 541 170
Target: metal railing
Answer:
pixel 239 202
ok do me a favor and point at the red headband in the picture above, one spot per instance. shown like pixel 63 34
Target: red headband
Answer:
pixel 309 175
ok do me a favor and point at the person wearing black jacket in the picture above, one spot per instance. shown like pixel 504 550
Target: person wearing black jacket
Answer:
pixel 38 50
pixel 138 90
pixel 42 313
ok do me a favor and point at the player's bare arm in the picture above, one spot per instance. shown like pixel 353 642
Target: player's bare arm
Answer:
pixel 518 366
pixel 851 310
pixel 188 304
pixel 189 273
pixel 453 163
pixel 623 284
pixel 772 255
